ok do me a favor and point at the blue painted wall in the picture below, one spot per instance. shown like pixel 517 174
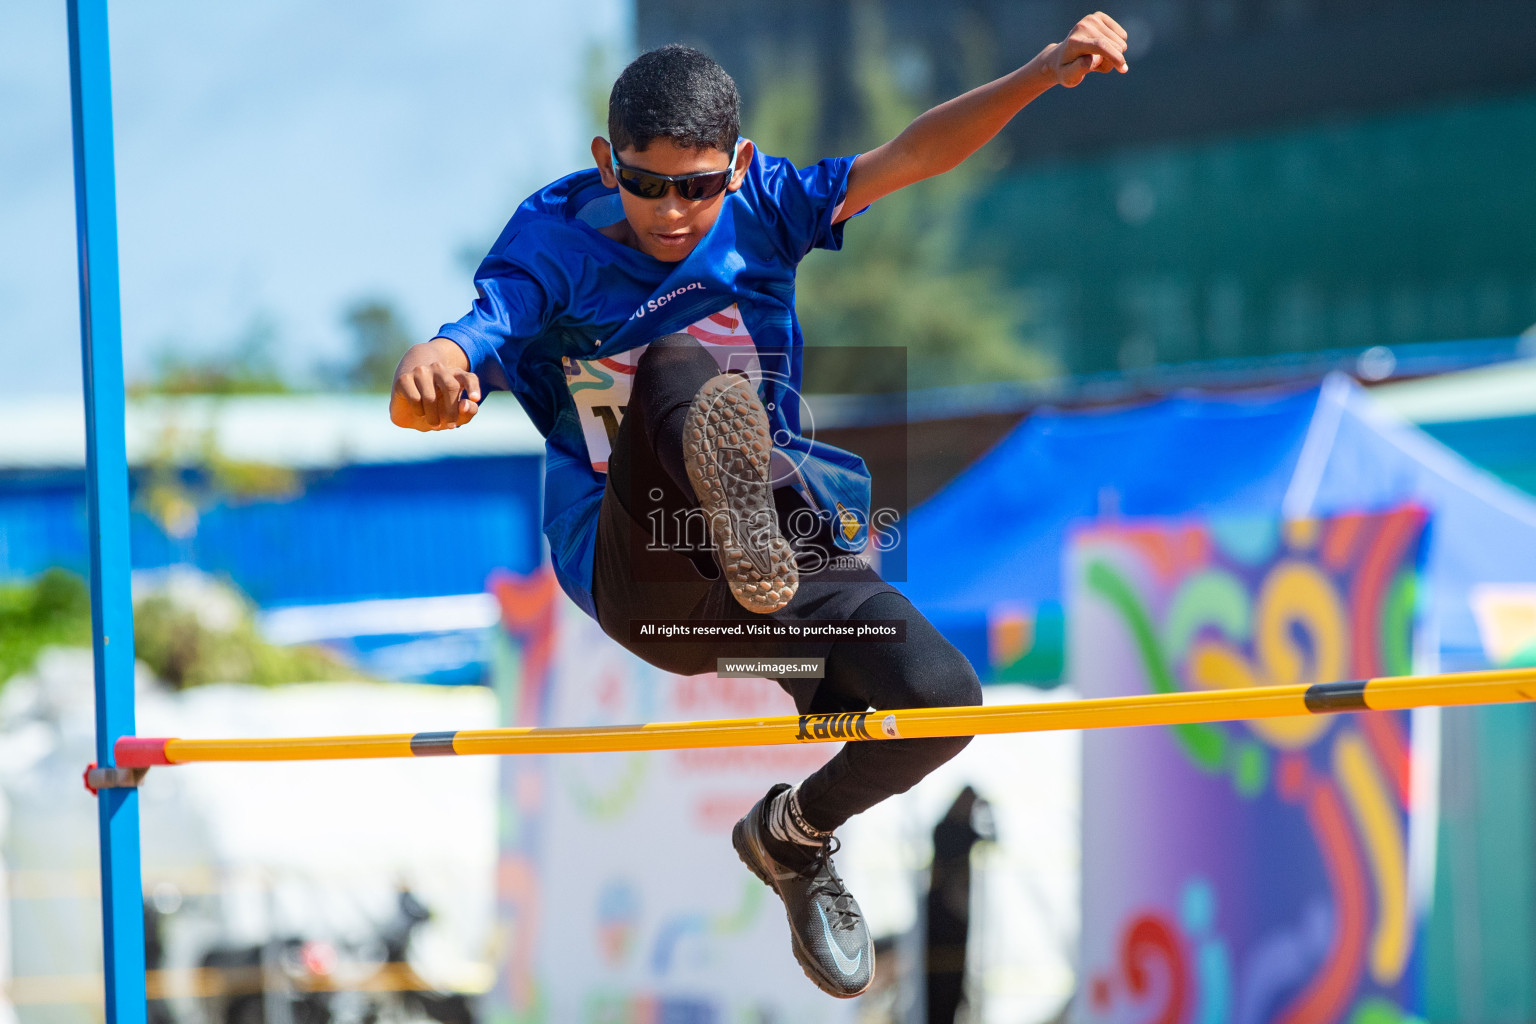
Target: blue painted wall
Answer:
pixel 402 530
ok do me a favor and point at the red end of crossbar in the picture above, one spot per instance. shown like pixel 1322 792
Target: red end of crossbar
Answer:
pixel 140 752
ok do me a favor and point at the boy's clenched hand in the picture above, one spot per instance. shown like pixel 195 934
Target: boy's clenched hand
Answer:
pixel 1096 44
pixel 434 389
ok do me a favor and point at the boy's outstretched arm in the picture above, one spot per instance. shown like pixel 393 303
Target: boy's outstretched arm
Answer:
pixel 434 389
pixel 944 136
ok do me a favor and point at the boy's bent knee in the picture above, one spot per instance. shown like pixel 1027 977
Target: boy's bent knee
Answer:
pixel 672 370
pixel 682 339
pixel 968 695
pixel 947 681
pixel 924 671
pixel 671 350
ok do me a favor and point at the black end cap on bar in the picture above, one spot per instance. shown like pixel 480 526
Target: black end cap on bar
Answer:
pixel 1322 698
pixel 432 744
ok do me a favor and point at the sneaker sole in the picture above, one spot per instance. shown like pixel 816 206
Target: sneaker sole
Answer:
pixel 807 965
pixel 726 451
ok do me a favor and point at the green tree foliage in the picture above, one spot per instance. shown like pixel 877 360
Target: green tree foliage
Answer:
pixel 187 473
pixel 379 339
pixel 903 279
pixel 247 369
pixel 54 609
pixel 184 649
pixel 173 637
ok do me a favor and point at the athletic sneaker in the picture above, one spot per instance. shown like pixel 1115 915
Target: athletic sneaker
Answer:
pixel 726 448
pixel 827 931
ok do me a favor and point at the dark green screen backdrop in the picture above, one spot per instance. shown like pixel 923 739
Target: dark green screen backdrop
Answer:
pixel 1417 225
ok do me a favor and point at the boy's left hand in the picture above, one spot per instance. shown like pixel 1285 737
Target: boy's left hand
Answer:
pixel 1096 44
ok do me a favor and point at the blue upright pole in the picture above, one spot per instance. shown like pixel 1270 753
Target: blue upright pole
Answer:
pixel 106 456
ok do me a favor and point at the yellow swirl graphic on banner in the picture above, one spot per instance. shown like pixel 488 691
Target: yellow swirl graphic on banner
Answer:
pixel 1298 597
pixel 1377 822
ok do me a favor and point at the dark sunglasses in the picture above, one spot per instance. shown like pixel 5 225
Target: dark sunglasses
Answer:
pixel 693 187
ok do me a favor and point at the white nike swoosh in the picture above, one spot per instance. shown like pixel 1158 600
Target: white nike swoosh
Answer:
pixel 847 966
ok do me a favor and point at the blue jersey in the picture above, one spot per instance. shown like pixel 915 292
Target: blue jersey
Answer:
pixel 564 313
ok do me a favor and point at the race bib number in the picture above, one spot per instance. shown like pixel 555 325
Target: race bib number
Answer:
pixel 601 387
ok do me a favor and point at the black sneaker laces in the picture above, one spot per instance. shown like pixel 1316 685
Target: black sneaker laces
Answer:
pixel 844 914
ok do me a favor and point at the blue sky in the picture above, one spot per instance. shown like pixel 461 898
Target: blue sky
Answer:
pixel 278 160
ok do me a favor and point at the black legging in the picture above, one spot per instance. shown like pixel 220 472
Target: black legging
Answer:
pixel 924 672
pixel 646 473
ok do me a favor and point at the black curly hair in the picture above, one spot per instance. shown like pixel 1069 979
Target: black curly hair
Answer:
pixel 676 93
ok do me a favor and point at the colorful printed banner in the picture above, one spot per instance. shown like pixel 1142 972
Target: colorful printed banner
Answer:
pixel 1506 622
pixel 621 900
pixel 1256 872
pixel 1026 644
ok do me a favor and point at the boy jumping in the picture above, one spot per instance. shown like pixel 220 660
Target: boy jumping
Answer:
pixel 643 314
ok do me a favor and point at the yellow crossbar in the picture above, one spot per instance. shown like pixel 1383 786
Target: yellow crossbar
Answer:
pixel 1386 693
